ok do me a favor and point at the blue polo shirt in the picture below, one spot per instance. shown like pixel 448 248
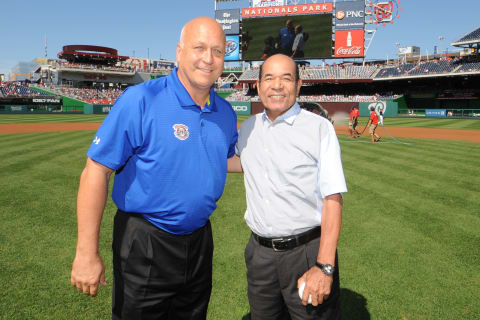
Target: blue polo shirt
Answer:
pixel 287 38
pixel 170 155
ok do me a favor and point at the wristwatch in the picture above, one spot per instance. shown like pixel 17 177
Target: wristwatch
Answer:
pixel 328 269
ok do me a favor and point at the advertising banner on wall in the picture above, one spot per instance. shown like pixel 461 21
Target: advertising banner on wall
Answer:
pixel 390 108
pixel 232 48
pixel 436 113
pixel 349 15
pixel 50 100
pixel 229 20
pixel 287 10
pixel 349 43
pixel 267 3
pixel 241 107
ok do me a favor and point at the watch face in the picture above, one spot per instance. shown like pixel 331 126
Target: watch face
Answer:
pixel 328 269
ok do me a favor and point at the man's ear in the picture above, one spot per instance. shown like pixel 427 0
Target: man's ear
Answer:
pixel 299 85
pixel 258 87
pixel 179 51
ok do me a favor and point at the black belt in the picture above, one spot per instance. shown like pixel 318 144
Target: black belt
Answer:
pixel 290 242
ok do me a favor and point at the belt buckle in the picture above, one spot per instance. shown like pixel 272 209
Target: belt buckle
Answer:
pixel 280 241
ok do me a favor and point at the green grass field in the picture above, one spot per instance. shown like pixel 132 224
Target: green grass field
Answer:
pixel 49 118
pixel 409 248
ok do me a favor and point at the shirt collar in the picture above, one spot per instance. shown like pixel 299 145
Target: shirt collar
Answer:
pixel 184 98
pixel 289 116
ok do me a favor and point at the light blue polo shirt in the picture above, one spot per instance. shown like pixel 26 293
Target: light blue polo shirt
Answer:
pixel 170 155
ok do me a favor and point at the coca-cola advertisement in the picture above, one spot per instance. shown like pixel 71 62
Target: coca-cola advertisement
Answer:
pixel 349 43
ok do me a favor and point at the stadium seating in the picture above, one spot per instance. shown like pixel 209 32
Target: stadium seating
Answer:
pixel 323 73
pixel 432 67
pixel 70 65
pixel 89 95
pixel 17 89
pixel 469 67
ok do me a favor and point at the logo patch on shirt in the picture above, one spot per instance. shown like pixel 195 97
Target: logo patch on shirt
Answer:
pixel 96 140
pixel 181 131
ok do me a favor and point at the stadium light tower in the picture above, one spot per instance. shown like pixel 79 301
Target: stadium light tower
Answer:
pixel 441 38
pixel 397 44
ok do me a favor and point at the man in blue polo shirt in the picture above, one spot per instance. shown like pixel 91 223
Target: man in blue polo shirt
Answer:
pixel 168 141
pixel 287 36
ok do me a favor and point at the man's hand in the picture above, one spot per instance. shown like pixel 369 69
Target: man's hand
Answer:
pixel 317 283
pixel 88 269
pixel 87 273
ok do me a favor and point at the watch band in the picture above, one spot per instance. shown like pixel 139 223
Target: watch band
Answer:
pixel 328 269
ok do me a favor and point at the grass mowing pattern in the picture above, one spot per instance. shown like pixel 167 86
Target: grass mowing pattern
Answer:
pixel 410 232
pixel 409 249
pixel 49 118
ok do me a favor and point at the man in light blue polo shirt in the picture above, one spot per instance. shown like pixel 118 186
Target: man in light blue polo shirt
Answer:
pixel 168 141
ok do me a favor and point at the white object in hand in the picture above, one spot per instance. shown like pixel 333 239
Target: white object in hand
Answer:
pixel 300 292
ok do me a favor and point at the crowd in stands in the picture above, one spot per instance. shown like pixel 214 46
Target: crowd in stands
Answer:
pixel 244 96
pixel 163 70
pixel 89 95
pixel 18 90
pixel 345 98
pixel 85 66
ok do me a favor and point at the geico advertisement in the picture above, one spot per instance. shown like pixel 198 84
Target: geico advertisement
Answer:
pixel 241 107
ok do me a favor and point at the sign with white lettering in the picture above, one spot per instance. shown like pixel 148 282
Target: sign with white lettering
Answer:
pixel 287 10
pixel 349 43
pixel 241 107
pixel 229 20
pixel 349 15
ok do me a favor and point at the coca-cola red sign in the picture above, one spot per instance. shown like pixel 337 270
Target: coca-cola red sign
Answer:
pixel 349 43
pixel 348 51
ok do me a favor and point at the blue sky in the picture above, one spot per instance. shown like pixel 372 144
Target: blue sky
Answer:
pixel 152 27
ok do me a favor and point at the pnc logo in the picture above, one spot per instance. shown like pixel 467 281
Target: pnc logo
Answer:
pixel 340 15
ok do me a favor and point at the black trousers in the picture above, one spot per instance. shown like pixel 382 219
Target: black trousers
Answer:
pixel 272 283
pixel 158 275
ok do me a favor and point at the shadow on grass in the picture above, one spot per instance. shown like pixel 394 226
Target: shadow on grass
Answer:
pixel 353 306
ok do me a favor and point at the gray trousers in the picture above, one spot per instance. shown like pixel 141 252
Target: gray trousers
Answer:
pixel 272 283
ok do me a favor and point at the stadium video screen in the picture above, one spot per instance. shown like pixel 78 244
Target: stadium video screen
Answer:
pixel 262 37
